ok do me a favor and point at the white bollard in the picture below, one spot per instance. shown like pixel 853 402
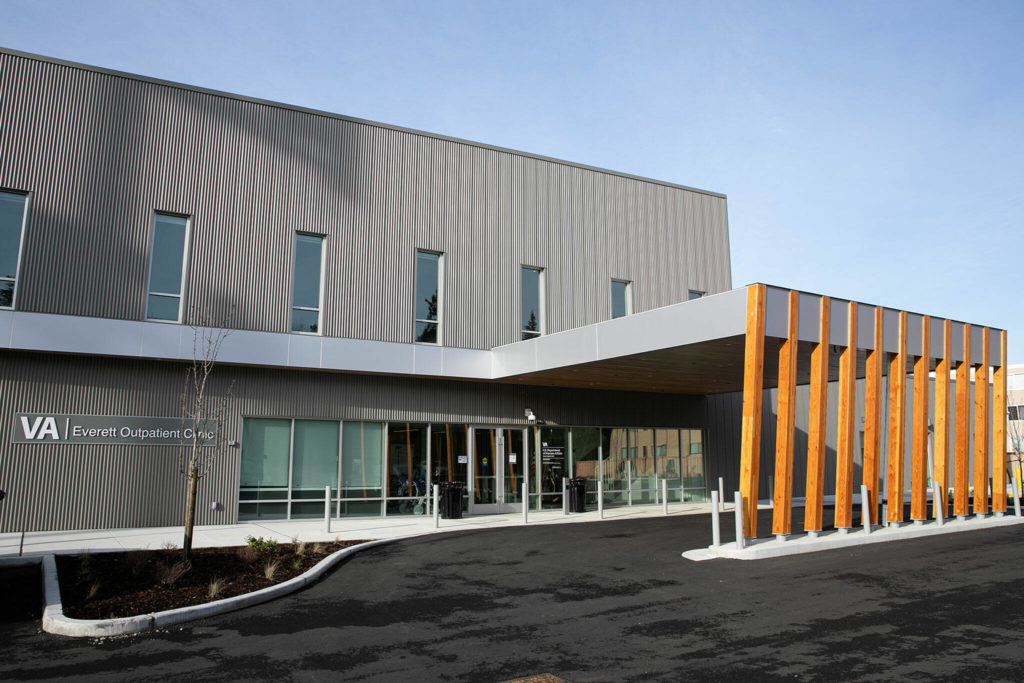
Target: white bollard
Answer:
pixel 437 512
pixel 526 501
pixel 565 502
pixel 629 483
pixel 738 500
pixel 600 498
pixel 721 491
pixel 664 495
pixel 865 508
pixel 716 531
pixel 938 505
pixel 1016 492
pixel 327 509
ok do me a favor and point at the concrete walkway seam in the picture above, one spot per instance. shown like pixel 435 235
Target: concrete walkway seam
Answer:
pixel 55 622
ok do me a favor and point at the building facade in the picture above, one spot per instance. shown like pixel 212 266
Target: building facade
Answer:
pixel 393 309
pixel 364 271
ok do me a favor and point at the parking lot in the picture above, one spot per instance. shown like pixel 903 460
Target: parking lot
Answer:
pixel 596 601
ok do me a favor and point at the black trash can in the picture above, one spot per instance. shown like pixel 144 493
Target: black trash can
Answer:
pixel 450 500
pixel 576 492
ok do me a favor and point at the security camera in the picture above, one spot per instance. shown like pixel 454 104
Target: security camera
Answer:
pixel 530 417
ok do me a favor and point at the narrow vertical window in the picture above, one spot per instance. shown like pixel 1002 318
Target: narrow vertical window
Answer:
pixel 695 294
pixel 622 298
pixel 427 304
pixel 166 268
pixel 12 222
pixel 532 304
pixel 306 284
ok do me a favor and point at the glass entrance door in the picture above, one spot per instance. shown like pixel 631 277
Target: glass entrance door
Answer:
pixel 498 467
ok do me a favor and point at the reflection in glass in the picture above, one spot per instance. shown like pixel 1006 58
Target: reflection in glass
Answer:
pixel 407 468
pixel 314 459
pixel 12 217
pixel 532 323
pixel 485 479
pixel 551 463
pixel 514 456
pixel 362 451
pixel 264 471
pixel 166 261
pixel 620 299
pixel 306 284
pixel 427 301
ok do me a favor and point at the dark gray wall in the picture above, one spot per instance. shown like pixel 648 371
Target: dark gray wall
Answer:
pixel 100 152
pixel 84 486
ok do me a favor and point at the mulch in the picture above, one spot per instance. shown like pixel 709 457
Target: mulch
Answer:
pixel 123 584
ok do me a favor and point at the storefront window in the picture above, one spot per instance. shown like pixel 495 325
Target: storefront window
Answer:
pixel 362 451
pixel 314 466
pixel 407 468
pixel 643 466
pixel 615 468
pixel 551 463
pixel 264 473
pixel 694 477
pixel 449 456
pixel 585 458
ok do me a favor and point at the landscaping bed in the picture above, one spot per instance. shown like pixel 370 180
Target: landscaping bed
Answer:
pixel 124 584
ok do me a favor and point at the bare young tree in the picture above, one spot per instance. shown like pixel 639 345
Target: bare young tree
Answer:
pixel 202 416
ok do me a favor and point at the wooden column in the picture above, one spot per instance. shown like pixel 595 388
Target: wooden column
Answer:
pixel 940 454
pixel 981 429
pixel 897 424
pixel 847 408
pixel 785 423
pixel 999 429
pixel 873 414
pixel 919 438
pixel 961 427
pixel 816 426
pixel 753 383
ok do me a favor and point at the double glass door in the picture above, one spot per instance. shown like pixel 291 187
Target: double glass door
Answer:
pixel 498 466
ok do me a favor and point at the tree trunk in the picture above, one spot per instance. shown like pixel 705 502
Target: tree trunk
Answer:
pixel 190 511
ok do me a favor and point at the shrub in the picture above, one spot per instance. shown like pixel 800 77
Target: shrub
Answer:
pixel 169 574
pixel 318 548
pixel 215 587
pixel 297 563
pixel 262 545
pixel 300 549
pixel 248 554
pixel 94 589
pixel 270 569
pixel 167 545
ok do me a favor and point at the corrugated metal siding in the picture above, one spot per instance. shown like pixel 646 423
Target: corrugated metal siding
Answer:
pixel 101 152
pixel 82 486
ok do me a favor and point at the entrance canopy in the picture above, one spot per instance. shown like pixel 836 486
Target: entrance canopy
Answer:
pixel 697 347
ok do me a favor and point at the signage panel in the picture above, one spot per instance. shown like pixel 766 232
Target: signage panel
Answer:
pixel 109 430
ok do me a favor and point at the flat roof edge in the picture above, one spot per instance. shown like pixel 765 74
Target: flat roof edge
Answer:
pixel 350 119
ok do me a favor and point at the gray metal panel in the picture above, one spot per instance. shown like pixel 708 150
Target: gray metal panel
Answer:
pixel 67 487
pixel 100 152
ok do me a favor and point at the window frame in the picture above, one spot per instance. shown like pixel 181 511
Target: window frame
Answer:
pixel 541 303
pixel 440 297
pixel 320 291
pixel 690 294
pixel 186 253
pixel 629 296
pixel 21 246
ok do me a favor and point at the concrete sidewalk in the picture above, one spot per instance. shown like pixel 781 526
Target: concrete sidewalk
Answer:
pixel 363 528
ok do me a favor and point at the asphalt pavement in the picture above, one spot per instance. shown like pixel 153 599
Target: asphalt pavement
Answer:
pixel 606 601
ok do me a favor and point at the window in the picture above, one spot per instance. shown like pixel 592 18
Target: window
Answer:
pixel 427 304
pixel 166 268
pixel 533 302
pixel 307 284
pixel 12 221
pixel 622 298
pixel 696 294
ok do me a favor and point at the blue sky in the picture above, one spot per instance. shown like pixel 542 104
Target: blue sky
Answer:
pixel 869 150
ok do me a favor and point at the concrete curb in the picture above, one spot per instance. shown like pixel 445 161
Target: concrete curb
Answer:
pixel 764 548
pixel 55 622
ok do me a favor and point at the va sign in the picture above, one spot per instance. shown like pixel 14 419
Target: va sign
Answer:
pixel 104 429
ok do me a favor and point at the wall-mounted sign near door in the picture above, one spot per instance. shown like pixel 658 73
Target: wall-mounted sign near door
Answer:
pixel 109 429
